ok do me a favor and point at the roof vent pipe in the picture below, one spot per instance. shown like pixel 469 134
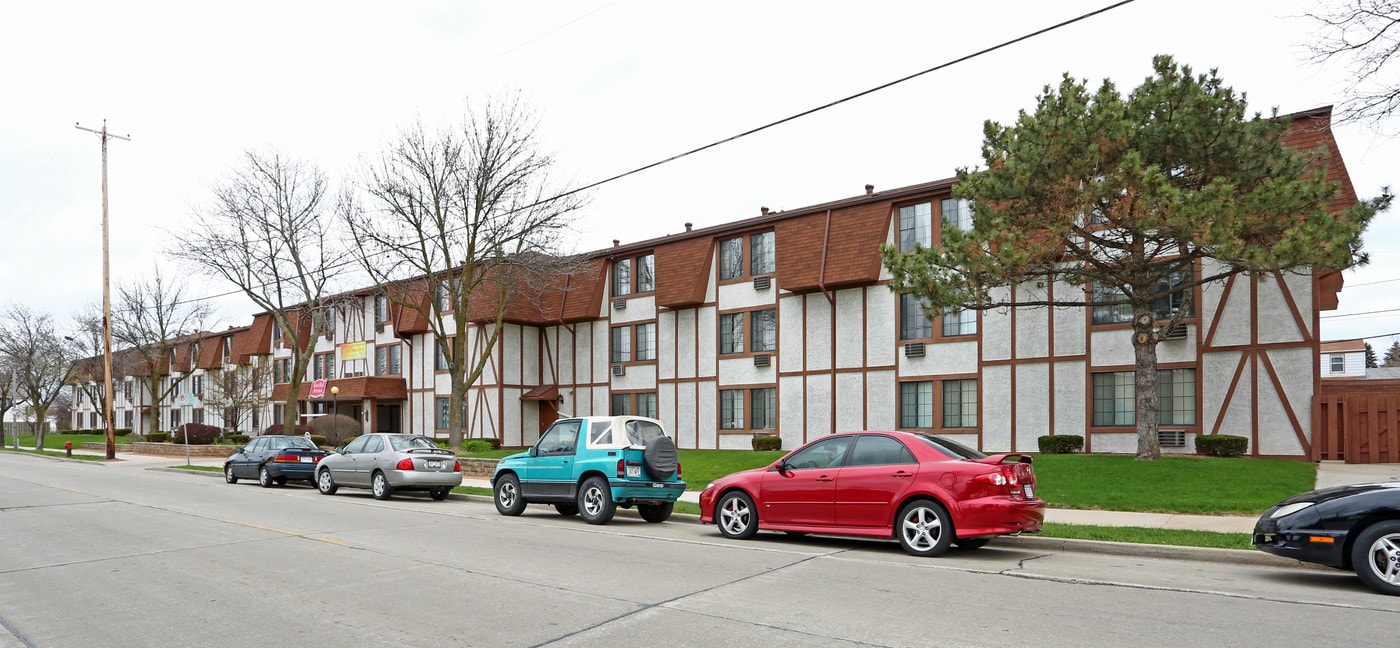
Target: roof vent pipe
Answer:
pixel 869 190
pixel 764 210
pixel 687 227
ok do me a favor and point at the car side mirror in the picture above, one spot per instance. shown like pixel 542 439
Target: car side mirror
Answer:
pixel 534 451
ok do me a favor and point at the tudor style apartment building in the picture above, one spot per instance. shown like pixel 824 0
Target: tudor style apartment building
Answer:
pixel 783 324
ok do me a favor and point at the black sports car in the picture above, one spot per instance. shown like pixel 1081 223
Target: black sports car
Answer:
pixel 1348 527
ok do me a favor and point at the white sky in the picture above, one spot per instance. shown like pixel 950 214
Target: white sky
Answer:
pixel 618 83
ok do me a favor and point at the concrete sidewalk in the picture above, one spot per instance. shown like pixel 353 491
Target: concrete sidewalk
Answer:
pixel 1329 474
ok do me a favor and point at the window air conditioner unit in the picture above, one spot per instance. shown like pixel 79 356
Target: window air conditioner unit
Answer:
pixel 618 370
pixel 1171 438
pixel 379 327
pixel 761 360
pixel 914 350
pixel 1177 332
pixel 762 283
pixel 620 303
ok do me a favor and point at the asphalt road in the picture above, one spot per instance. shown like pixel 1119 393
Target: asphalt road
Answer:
pixel 104 555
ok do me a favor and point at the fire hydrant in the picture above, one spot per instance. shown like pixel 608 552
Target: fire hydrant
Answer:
pixel 68 448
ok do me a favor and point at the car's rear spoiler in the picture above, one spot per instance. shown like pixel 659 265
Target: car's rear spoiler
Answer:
pixel 1005 457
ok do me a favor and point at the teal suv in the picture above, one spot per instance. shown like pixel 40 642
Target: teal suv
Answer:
pixel 589 466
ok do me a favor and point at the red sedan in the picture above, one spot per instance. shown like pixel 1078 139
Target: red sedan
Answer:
pixel 925 491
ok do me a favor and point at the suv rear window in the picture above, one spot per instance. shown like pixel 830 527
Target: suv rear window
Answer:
pixel 639 432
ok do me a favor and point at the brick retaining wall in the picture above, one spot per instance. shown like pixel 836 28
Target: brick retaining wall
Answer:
pixel 478 467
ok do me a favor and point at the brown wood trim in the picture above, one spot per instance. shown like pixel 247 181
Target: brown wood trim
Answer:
pixel 1229 394
pixel 1293 307
pixel 1209 341
pixel 1287 407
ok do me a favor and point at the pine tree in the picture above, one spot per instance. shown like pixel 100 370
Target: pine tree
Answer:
pixel 1370 357
pixel 1392 355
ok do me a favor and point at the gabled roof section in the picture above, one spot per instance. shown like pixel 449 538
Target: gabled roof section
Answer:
pixel 255 340
pixel 1311 130
pixel 409 321
pixel 683 271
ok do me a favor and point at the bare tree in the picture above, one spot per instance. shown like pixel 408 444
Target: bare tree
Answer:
pixel 1366 35
pixel 42 360
pixel 238 391
pixel 151 317
pixel 8 392
pixel 455 219
pixel 267 231
pixel 88 378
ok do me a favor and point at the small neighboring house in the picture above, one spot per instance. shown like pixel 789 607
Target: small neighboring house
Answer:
pixel 1343 359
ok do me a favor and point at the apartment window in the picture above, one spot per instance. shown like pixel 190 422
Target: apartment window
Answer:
pixel 1115 402
pixel 228 348
pixel 646 273
pixel 443 407
pixel 1339 363
pixel 762 254
pixel 621 344
pixel 197 385
pixel 646 341
pixel 128 419
pixel 282 370
pixel 174 418
pixel 913 323
pixel 765 330
pixel 387 360
pixel 323 366
pixel 916 404
pixel 1168 301
pixel 646 404
pixel 763 405
pixel 959 322
pixel 731 409
pixel 175 385
pixel 621 405
pixel 915 227
pixel 443 296
pixel 331 316
pixel 197 416
pixel 440 362
pixel 762 251
pixel 92 420
pixel 278 411
pixel 957 213
pixel 959 403
pixel 622 277
pixel 731 333
pixel 126 389
pixel 257 419
pixel 381 309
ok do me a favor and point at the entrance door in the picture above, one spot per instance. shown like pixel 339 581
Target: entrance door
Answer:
pixel 549 413
pixel 387 419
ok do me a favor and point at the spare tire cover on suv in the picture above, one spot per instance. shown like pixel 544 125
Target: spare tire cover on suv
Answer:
pixel 660 457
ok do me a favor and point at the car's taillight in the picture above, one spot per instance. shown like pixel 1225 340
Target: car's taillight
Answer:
pixel 621 469
pixel 405 464
pixel 456 466
pixel 1004 480
pixel 287 458
pixel 678 471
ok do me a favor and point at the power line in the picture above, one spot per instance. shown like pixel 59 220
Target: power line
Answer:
pixel 1374 312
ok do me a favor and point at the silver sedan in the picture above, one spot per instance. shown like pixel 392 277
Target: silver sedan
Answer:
pixel 385 463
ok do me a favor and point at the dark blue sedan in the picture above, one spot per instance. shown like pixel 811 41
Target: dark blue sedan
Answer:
pixel 1348 527
pixel 273 459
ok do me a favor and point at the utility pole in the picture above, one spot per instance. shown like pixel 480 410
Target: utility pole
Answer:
pixel 107 412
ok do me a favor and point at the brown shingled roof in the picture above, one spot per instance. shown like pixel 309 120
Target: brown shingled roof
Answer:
pixel 683 271
pixel 255 340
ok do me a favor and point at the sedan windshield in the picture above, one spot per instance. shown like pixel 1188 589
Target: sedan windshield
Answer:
pixel 950 448
pixel 402 443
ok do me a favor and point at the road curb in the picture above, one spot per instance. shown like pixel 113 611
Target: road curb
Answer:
pixel 1165 552
pixel 1029 543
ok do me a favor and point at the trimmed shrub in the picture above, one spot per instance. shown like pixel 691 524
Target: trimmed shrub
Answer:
pixel 237 438
pixel 121 432
pixel 346 441
pixel 1221 445
pixel 276 430
pixel 767 442
pixel 318 439
pixel 336 428
pixel 473 446
pixel 196 434
pixel 158 437
pixel 1060 443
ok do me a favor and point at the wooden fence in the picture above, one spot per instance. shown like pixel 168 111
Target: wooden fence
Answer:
pixel 1357 421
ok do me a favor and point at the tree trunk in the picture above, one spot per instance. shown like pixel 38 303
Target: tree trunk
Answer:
pixel 1145 384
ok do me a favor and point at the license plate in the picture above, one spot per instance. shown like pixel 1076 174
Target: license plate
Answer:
pixel 306 460
pixel 1028 490
pixel 634 471
pixel 433 465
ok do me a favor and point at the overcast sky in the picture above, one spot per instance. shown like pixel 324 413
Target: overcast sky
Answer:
pixel 618 83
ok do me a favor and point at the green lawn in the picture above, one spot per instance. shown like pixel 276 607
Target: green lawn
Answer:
pixel 1197 485
pixel 55 441
pixel 1144 535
